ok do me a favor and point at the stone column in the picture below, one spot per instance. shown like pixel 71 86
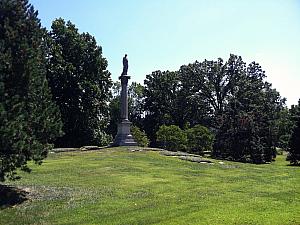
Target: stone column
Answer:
pixel 124 137
pixel 124 99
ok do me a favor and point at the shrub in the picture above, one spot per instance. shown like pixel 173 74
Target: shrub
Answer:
pixel 199 139
pixel 171 138
pixel 139 136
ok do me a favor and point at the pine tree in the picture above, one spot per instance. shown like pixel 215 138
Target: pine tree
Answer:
pixel 294 150
pixel 29 120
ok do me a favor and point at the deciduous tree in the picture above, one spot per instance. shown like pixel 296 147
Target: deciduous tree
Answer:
pixel 161 90
pixel 80 83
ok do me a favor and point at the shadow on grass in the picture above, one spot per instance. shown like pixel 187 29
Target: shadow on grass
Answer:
pixel 11 196
pixel 294 165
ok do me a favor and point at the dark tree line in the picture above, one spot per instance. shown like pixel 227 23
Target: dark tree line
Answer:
pixel 231 98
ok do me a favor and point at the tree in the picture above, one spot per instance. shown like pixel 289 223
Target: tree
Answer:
pixel 207 86
pixel 230 98
pixel 80 84
pixel 139 136
pixel 247 131
pixel 29 120
pixel 161 90
pixel 171 138
pixel 136 103
pixel 284 125
pixel 114 109
pixel 199 139
pixel 294 146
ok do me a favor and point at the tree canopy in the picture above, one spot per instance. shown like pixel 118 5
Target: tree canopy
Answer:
pixel 29 120
pixel 80 84
pixel 231 98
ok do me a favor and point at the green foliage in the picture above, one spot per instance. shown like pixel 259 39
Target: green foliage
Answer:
pixel 294 146
pixel 196 139
pixel 29 120
pixel 171 138
pixel 160 101
pixel 199 139
pixel 139 136
pixel 205 87
pixel 248 127
pixel 80 84
pixel 229 97
pixel 136 103
pixel 284 125
pixel 114 116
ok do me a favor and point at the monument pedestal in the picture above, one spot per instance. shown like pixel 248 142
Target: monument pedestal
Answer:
pixel 124 137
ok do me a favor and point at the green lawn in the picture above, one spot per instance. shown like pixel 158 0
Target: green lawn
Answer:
pixel 116 186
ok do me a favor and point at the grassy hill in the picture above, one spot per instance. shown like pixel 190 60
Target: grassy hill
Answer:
pixel 117 186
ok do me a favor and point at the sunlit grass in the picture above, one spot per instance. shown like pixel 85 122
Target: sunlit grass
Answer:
pixel 116 186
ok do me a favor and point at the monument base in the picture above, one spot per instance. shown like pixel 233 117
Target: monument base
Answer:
pixel 124 137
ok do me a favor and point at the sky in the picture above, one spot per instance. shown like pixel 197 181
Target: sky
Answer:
pixel 165 34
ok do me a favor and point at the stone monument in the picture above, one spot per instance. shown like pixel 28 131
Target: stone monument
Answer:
pixel 124 137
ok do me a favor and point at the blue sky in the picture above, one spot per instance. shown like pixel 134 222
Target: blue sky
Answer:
pixel 165 34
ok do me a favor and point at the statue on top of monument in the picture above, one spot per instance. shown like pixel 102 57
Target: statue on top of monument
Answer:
pixel 125 65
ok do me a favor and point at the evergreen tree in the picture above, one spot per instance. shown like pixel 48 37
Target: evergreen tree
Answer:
pixel 294 150
pixel 80 84
pixel 29 120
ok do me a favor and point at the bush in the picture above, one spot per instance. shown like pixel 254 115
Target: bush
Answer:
pixel 171 138
pixel 139 136
pixel 199 139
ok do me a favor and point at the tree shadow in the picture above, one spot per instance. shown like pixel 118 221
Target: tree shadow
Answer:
pixel 294 165
pixel 11 196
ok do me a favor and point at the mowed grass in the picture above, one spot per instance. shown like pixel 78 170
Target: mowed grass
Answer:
pixel 117 186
